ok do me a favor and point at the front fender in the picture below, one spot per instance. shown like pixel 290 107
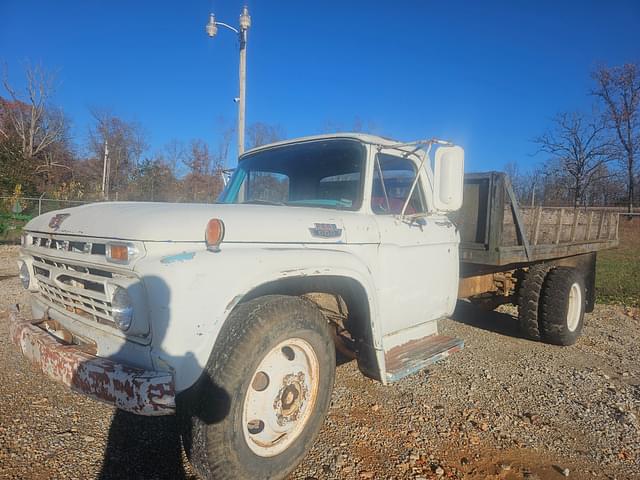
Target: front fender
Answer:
pixel 193 291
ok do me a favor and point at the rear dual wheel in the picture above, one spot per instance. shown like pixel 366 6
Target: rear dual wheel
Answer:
pixel 551 304
pixel 562 307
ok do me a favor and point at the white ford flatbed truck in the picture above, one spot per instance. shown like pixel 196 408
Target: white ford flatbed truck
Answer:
pixel 230 314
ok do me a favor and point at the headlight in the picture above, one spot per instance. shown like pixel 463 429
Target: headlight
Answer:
pixel 25 276
pixel 121 308
pixel 25 239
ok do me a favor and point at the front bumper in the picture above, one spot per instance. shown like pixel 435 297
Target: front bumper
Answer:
pixel 133 389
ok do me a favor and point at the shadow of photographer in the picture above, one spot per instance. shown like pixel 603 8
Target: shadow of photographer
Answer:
pixel 151 447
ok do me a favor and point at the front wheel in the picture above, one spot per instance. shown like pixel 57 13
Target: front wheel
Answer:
pixel 274 360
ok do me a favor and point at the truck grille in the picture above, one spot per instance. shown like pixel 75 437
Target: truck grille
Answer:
pixel 76 288
pixel 67 245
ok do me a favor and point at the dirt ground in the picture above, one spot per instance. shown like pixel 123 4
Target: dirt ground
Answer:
pixel 503 408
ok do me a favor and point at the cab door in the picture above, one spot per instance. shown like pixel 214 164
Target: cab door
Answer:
pixel 417 255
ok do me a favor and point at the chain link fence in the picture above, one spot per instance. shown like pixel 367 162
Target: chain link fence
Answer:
pixel 15 212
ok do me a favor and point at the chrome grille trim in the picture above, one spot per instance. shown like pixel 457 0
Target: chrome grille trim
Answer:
pixel 67 244
pixel 81 271
pixel 99 311
pixel 79 289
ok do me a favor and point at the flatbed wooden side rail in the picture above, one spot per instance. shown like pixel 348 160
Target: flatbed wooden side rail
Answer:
pixel 496 231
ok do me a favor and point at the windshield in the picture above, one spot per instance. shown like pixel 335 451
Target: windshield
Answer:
pixel 325 174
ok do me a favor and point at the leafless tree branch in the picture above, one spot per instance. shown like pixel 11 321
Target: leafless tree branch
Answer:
pixel 37 124
pixel 619 90
pixel 577 148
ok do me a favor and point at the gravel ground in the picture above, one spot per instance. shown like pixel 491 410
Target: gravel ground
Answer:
pixel 502 408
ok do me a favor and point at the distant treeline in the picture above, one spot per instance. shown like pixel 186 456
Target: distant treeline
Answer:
pixel 590 158
pixel 38 156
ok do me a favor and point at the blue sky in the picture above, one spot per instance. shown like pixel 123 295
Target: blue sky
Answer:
pixel 486 75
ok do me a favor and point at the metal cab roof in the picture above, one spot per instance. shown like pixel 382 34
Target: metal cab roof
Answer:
pixel 362 137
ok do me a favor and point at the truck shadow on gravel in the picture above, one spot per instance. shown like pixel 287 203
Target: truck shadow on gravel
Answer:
pixel 490 320
pixel 141 447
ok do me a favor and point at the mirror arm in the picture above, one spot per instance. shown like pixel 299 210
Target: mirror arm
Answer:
pixel 384 188
pixel 415 181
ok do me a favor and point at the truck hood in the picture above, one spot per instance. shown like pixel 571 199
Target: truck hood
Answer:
pixel 183 222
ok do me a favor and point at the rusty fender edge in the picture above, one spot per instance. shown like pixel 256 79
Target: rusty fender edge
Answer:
pixel 135 390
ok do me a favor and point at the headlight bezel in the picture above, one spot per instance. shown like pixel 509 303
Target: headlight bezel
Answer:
pixel 25 275
pixel 121 253
pixel 25 239
pixel 122 308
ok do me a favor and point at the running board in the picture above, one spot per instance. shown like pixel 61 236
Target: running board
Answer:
pixel 415 355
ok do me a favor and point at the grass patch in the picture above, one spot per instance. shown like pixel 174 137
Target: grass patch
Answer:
pixel 618 270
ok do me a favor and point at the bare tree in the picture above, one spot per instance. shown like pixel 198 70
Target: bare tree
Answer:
pixel 174 154
pixel 34 120
pixel 260 133
pixel 513 172
pixel 607 189
pixel 578 148
pixel 152 180
pixel 203 182
pixel 223 146
pixel 527 184
pixel 358 126
pixel 619 90
pixel 120 143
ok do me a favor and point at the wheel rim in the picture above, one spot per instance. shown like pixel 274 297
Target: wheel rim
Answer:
pixel 575 307
pixel 281 397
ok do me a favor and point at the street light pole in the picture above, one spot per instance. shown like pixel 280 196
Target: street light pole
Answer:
pixel 245 23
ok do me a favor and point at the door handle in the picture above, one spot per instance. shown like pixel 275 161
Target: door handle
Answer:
pixel 419 221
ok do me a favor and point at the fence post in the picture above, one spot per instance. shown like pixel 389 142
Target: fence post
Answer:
pixel 40 205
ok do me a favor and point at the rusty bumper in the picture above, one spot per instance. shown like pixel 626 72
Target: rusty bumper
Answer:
pixel 128 388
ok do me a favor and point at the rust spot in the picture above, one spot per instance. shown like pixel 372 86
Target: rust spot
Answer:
pixel 132 389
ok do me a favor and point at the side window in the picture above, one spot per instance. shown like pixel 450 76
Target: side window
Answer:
pixel 268 187
pixel 392 180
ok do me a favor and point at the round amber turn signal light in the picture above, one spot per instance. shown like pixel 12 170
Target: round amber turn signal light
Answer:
pixel 214 234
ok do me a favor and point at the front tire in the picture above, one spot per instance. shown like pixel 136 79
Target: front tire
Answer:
pixel 274 360
pixel 562 306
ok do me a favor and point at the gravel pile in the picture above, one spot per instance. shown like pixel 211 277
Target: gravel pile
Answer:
pixel 504 407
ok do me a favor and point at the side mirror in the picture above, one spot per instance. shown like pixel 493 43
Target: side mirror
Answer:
pixel 449 178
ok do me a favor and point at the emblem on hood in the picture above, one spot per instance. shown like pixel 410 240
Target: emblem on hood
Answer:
pixel 56 220
pixel 326 230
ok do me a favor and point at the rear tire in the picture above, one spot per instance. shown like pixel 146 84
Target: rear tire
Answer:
pixel 273 366
pixel 529 291
pixel 562 306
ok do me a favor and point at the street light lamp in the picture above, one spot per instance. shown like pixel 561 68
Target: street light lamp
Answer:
pixel 244 24
pixel 212 28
